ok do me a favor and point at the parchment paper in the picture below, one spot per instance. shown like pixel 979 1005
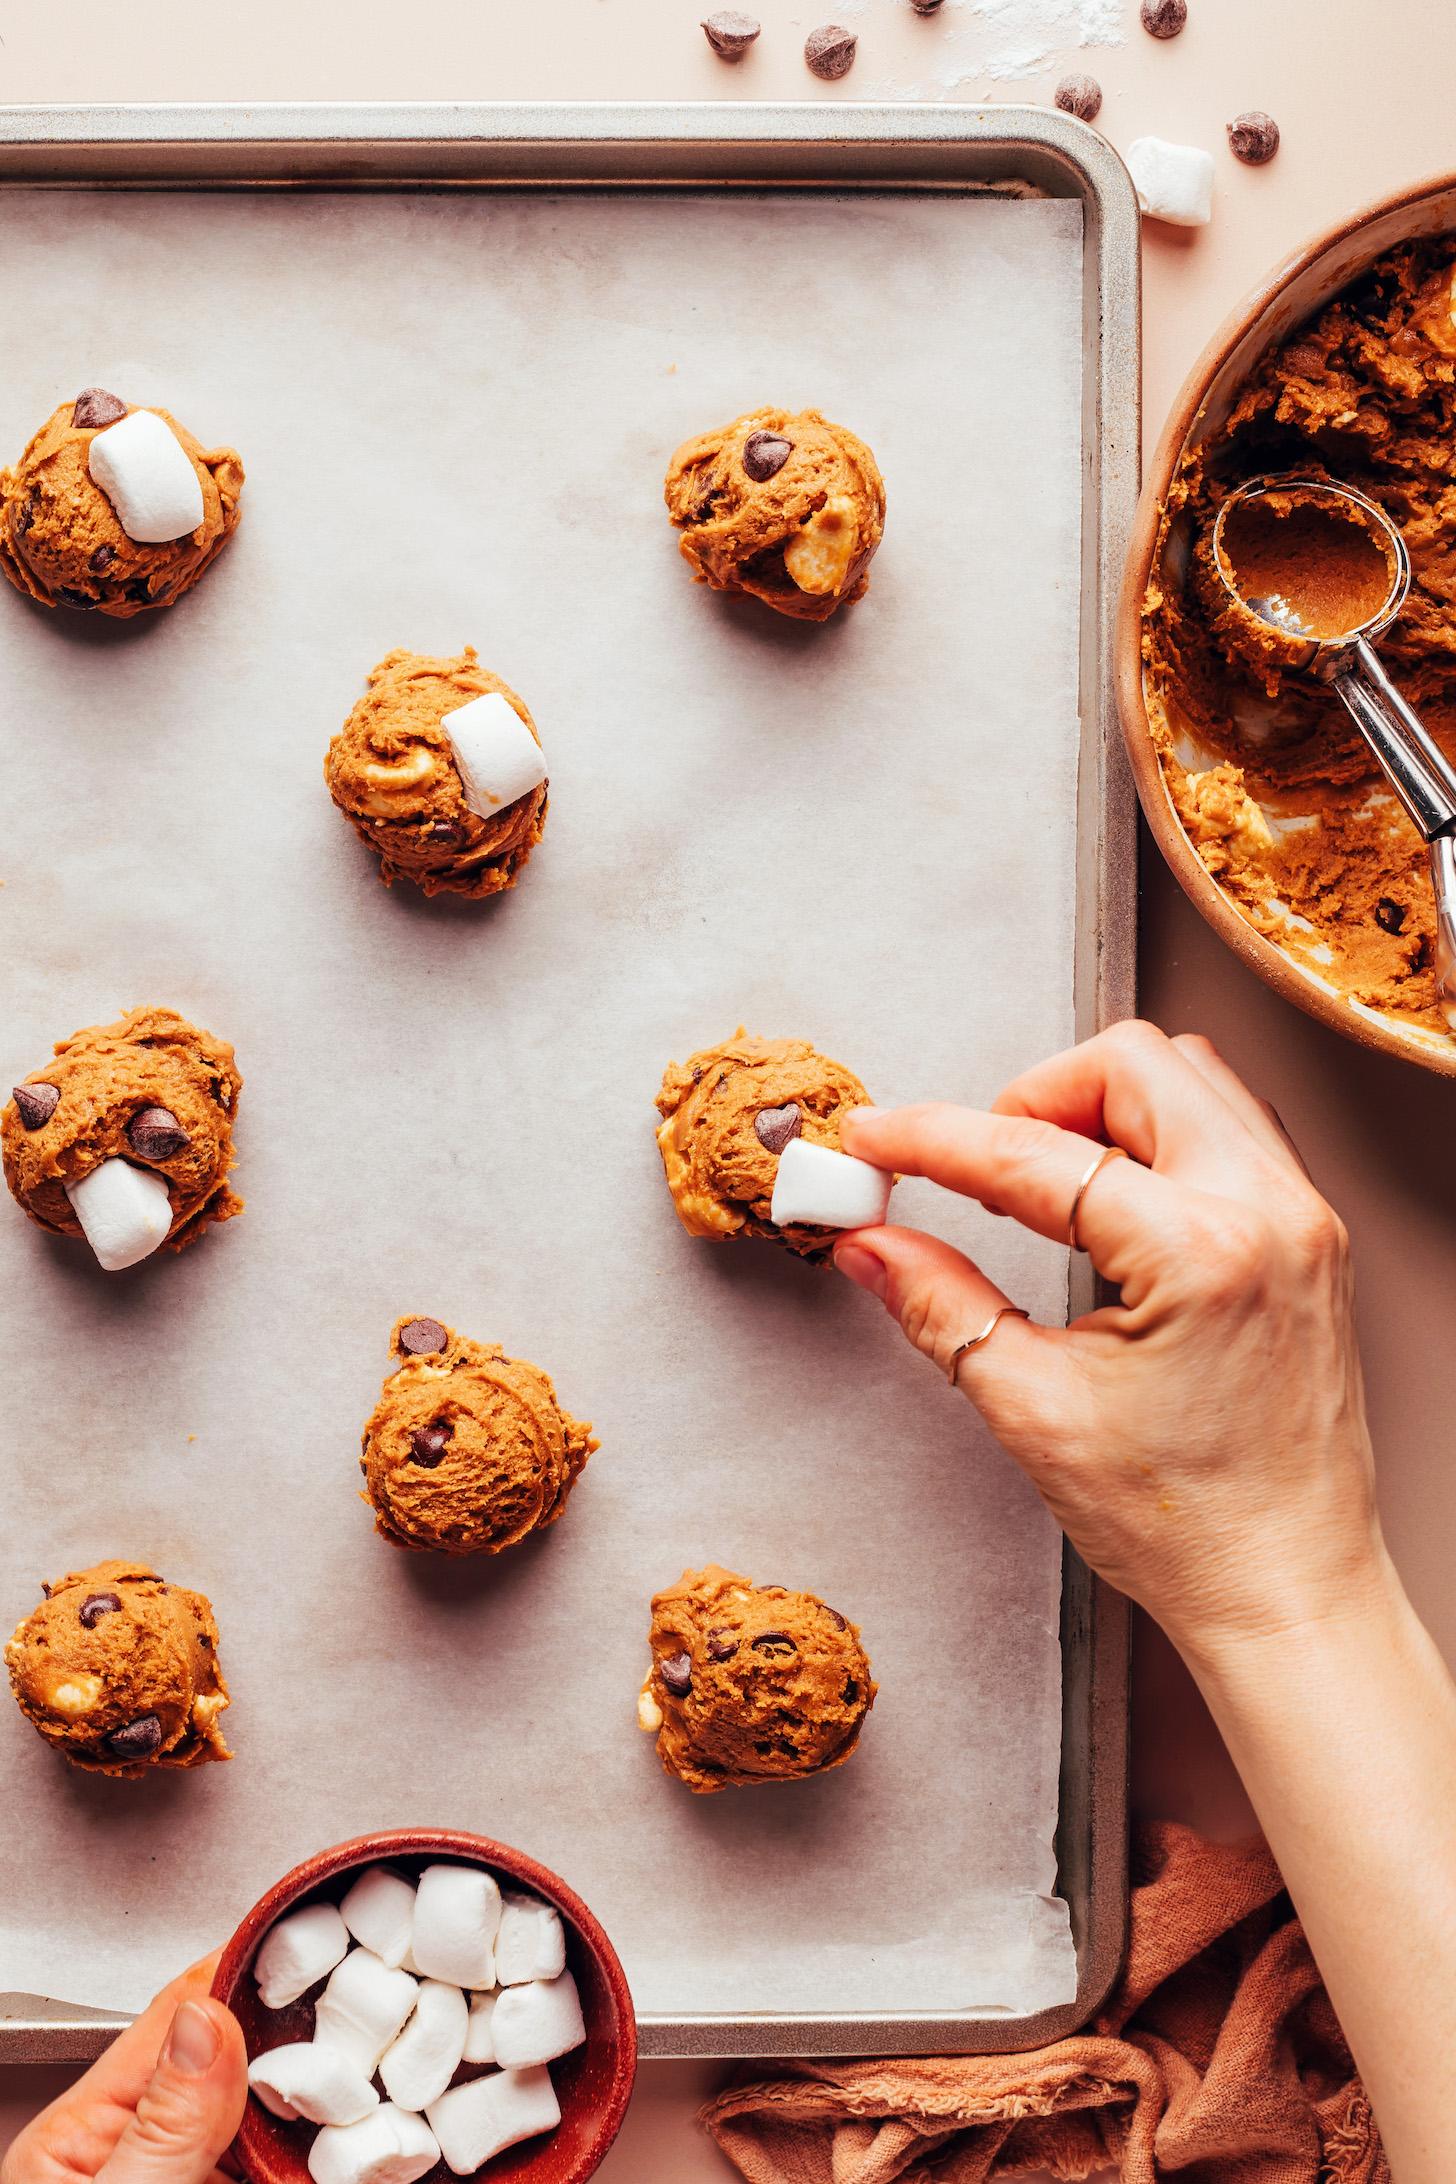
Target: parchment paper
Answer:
pixel 455 414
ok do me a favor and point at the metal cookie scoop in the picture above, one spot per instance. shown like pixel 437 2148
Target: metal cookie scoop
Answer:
pixel 1322 571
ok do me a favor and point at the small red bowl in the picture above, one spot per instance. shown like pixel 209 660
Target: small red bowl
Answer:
pixel 593 2085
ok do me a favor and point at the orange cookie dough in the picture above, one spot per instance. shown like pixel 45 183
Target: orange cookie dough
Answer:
pixel 782 505
pixel 751 1683
pixel 468 1450
pixel 60 541
pixel 1273 784
pixel 392 773
pixel 728 1113
pixel 120 1673
pixel 150 1089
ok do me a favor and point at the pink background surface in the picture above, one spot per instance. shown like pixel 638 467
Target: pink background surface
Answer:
pixel 1362 111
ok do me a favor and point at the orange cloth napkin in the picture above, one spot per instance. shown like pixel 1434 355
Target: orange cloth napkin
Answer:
pixel 1215 2060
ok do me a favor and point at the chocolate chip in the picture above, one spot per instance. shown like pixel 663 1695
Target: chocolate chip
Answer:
pixel 97 1604
pixel 447 833
pixel 829 51
pixel 850 1692
pixel 1390 915
pixel 836 1619
pixel 775 1127
pixel 36 1103
pixel 677 1674
pixel 419 1337
pixel 1253 137
pixel 101 560
pixel 138 1740
pixel 1079 95
pixel 730 33
pixel 925 7
pixel 777 1644
pixel 764 454
pixel 722 1645
pixel 27 515
pixel 428 1444
pixel 139 590
pixel 156 1134
pixel 1164 18
pixel 69 596
pixel 94 406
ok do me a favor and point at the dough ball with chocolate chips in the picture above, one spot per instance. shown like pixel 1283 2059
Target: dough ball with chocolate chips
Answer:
pixel 784 506
pixel 468 1450
pixel 63 538
pixel 727 1114
pixel 120 1673
pixel 151 1091
pixel 394 772
pixel 751 1683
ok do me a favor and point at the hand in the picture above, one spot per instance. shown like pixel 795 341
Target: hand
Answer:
pixel 1202 1440
pixel 159 2107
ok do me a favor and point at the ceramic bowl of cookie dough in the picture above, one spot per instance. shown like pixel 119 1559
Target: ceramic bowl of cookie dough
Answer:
pixel 590 2082
pixel 1263 804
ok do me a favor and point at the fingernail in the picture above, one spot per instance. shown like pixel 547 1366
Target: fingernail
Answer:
pixel 862 1267
pixel 193 2042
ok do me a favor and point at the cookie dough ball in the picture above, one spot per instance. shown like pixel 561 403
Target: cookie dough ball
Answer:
pixel 120 1672
pixel 63 539
pixel 727 1115
pixel 392 772
pixel 751 1683
pixel 151 1090
pixel 468 1450
pixel 782 505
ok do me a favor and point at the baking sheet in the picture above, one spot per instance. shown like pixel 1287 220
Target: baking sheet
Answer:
pixel 455 415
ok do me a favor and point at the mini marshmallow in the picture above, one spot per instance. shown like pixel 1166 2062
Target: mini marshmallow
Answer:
pixel 457 1912
pixel 389 2147
pixel 363 2008
pixel 537 2023
pixel 499 759
pixel 531 1943
pixel 1174 182
pixel 479 2046
pixel 148 477
pixel 125 1212
pixel 474 2122
pixel 427 2054
pixel 298 1952
pixel 379 1911
pixel 818 1188
pixel 304 2079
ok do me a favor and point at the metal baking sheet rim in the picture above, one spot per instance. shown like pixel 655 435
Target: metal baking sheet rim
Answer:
pixel 838 146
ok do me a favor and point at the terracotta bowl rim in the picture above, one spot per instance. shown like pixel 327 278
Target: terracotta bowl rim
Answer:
pixel 1250 946
pixel 325 1865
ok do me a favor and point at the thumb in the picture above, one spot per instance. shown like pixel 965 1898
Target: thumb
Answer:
pixel 193 2105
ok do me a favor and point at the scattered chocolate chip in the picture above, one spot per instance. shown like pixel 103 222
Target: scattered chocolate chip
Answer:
pixel 764 454
pixel 1253 137
pixel 94 406
pixel 27 515
pixel 36 1103
pixel 836 1619
pixel 1079 95
pixel 925 7
pixel 722 1645
pixel 69 596
pixel 775 1127
pixel 447 833
pixel 1390 916
pixel 730 33
pixel 829 51
pixel 850 1692
pixel 138 1740
pixel 677 1674
pixel 45 1589
pixel 101 560
pixel 418 1337
pixel 428 1444
pixel 156 1134
pixel 204 1641
pixel 97 1604
pixel 1164 18
pixel 777 1644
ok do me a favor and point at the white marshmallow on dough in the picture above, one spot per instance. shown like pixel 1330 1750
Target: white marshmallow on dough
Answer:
pixel 816 1187
pixel 300 1950
pixel 457 1912
pixel 475 2122
pixel 125 1212
pixel 479 2046
pixel 304 2079
pixel 379 1911
pixel 498 758
pixel 1174 182
pixel 148 477
pixel 363 2008
pixel 389 2147
pixel 535 2024
pixel 531 1943
pixel 427 2054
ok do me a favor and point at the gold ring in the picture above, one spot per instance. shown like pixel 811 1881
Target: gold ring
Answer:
pixel 1108 1152
pixel 1002 1311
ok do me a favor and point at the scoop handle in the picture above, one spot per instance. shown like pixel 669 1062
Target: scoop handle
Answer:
pixel 1416 769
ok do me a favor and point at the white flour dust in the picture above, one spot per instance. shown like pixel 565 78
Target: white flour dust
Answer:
pixel 975 45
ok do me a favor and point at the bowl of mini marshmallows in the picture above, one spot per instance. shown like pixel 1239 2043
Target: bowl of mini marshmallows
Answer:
pixel 427 2004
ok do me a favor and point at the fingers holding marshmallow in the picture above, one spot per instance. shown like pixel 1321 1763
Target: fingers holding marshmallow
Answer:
pixel 148 477
pixel 815 1187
